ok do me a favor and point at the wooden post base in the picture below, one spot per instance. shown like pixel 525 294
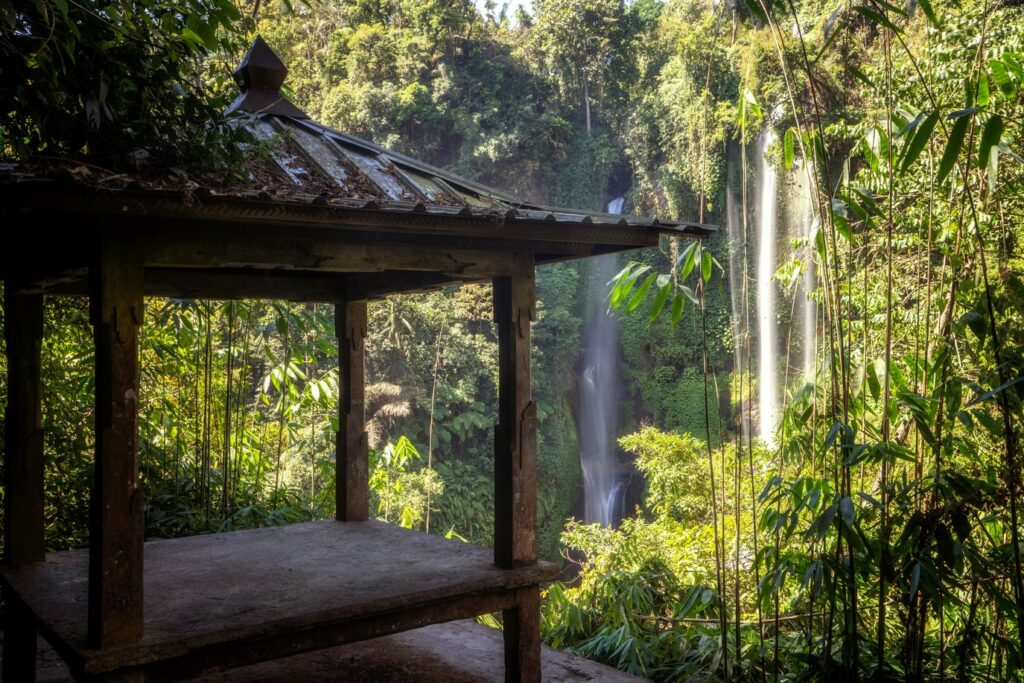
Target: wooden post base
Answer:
pixel 19 644
pixel 522 638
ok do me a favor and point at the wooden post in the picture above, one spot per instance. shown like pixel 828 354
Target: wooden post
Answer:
pixel 515 471
pixel 522 637
pixel 24 526
pixel 352 485
pixel 116 507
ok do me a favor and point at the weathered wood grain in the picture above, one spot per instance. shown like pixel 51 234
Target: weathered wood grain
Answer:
pixel 352 482
pixel 24 522
pixel 522 637
pixel 312 584
pixel 116 525
pixel 24 526
pixel 515 443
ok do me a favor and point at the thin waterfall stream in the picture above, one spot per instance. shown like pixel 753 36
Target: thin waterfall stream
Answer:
pixel 600 387
pixel 767 321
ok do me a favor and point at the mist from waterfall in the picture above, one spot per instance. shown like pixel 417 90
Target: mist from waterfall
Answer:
pixel 767 321
pixel 599 394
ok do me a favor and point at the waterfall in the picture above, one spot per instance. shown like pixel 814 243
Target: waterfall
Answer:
pixel 599 389
pixel 805 219
pixel 734 227
pixel 767 322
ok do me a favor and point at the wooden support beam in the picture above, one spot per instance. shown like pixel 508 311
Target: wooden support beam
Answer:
pixel 352 483
pixel 24 524
pixel 116 508
pixel 515 471
pixel 189 250
pixel 23 460
pixel 522 637
pixel 515 443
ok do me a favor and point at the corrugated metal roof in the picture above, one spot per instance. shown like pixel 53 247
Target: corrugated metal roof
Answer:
pixel 314 157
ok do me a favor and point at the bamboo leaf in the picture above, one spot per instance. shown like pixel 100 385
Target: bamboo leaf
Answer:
pixel 846 510
pixel 990 136
pixel 705 265
pixel 926 7
pixel 1001 76
pixel 876 17
pixel 641 292
pixel 660 300
pixel 687 259
pixel 998 390
pixel 919 140
pixel 678 306
pixel 915 579
pixel 953 147
pixel 982 98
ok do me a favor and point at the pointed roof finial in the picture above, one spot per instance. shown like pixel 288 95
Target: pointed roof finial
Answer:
pixel 259 76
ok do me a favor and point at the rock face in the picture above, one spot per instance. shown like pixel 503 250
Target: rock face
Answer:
pixel 456 652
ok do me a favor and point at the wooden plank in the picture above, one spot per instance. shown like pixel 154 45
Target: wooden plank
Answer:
pixel 522 637
pixel 251 652
pixel 290 285
pixel 116 508
pixel 379 285
pixel 190 250
pixel 24 523
pixel 24 526
pixel 515 443
pixel 352 484
pixel 216 592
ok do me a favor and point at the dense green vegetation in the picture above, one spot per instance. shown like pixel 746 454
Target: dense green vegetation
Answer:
pixel 879 540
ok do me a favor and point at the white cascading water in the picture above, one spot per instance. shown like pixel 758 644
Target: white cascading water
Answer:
pixel 599 389
pixel 734 227
pixel 767 322
pixel 805 217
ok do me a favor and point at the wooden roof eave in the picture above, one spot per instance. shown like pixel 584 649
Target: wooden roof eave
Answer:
pixel 78 207
pixel 232 247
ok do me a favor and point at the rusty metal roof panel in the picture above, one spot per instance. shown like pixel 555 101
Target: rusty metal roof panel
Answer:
pixel 322 154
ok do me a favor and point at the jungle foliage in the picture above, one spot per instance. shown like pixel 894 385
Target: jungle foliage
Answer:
pixel 879 540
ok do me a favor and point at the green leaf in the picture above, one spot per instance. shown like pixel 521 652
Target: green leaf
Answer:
pixel 953 147
pixel 926 7
pixel 989 138
pixel 846 510
pixel 688 259
pixel 983 98
pixel 915 579
pixel 678 306
pixel 788 143
pixel 920 139
pixel 1001 75
pixel 875 17
pixel 659 301
pixel 1001 388
pixel 705 265
pixel 641 292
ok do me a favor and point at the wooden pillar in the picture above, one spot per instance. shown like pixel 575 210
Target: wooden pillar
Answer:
pixel 515 471
pixel 116 524
pixel 522 637
pixel 352 485
pixel 24 526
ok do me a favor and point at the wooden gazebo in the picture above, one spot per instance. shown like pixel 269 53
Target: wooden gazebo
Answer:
pixel 339 220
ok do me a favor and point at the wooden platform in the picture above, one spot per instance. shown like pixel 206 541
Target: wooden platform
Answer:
pixel 455 652
pixel 236 598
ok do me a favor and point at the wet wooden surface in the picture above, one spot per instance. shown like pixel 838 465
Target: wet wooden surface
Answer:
pixel 267 585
